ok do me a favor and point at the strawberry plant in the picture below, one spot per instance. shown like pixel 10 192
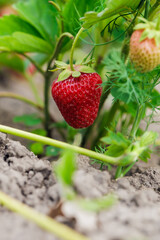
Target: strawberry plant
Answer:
pixel 106 54
pixel 99 62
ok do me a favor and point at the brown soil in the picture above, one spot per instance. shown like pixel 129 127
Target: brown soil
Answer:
pixel 136 215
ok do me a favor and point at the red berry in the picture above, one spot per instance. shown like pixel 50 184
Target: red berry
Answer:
pixel 78 98
pixel 145 55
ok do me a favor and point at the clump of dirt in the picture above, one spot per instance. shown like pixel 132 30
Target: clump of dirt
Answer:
pixel 28 179
pixel 136 215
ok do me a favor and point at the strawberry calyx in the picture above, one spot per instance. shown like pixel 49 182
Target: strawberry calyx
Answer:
pixel 151 30
pixel 67 72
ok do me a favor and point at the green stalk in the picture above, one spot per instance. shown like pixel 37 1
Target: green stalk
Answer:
pixel 62 145
pixel 25 100
pixel 41 220
pixel 47 81
pixel 46 104
pixel 34 63
pixel 57 7
pixel 146 14
pixel 154 9
pixel 137 120
pixel 107 125
pixel 127 169
pixel 73 47
pixel 34 89
pixel 21 98
pixel 118 173
pixel 57 48
pixel 158 24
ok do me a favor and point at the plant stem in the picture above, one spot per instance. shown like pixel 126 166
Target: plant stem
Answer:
pixel 46 104
pixel 34 63
pixel 137 120
pixel 108 123
pixel 21 98
pixel 26 100
pixel 47 82
pixel 73 47
pixel 41 220
pixel 118 173
pixel 57 48
pixel 127 169
pixel 63 145
pixel 158 24
pixel 34 89
pixel 154 10
pixel 57 7
pixel 146 14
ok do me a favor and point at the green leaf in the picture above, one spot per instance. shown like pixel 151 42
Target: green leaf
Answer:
pixel 74 9
pixel 28 120
pixel 125 82
pixel 12 61
pixel 60 125
pixel 86 69
pixel 52 151
pixel 60 64
pixel 18 35
pixel 39 58
pixel 148 138
pixel 76 74
pixel 66 168
pixel 64 75
pixel 114 150
pixel 118 144
pixel 37 148
pixel 40 132
pixel 155 98
pixel 4 2
pixel 23 42
pixel 113 7
pixel 116 138
pixel 42 16
pixel 145 155
pixel 99 204
pixel 12 23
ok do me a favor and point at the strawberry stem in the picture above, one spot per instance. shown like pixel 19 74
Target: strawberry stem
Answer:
pixel 47 81
pixel 158 24
pixel 21 98
pixel 55 5
pixel 34 63
pixel 137 120
pixel 146 14
pixel 45 222
pixel 73 47
pixel 59 144
pixel 34 89
pixel 154 10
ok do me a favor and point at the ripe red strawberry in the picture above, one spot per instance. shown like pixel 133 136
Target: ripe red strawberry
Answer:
pixel 78 98
pixel 145 47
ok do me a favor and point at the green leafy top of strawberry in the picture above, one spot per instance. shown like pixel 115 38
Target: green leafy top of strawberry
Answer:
pixel 112 8
pixel 67 72
pixel 151 30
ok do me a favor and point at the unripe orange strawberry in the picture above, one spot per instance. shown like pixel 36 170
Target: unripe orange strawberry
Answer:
pixel 145 47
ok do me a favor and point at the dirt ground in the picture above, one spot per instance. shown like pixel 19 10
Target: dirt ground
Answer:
pixel 136 215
